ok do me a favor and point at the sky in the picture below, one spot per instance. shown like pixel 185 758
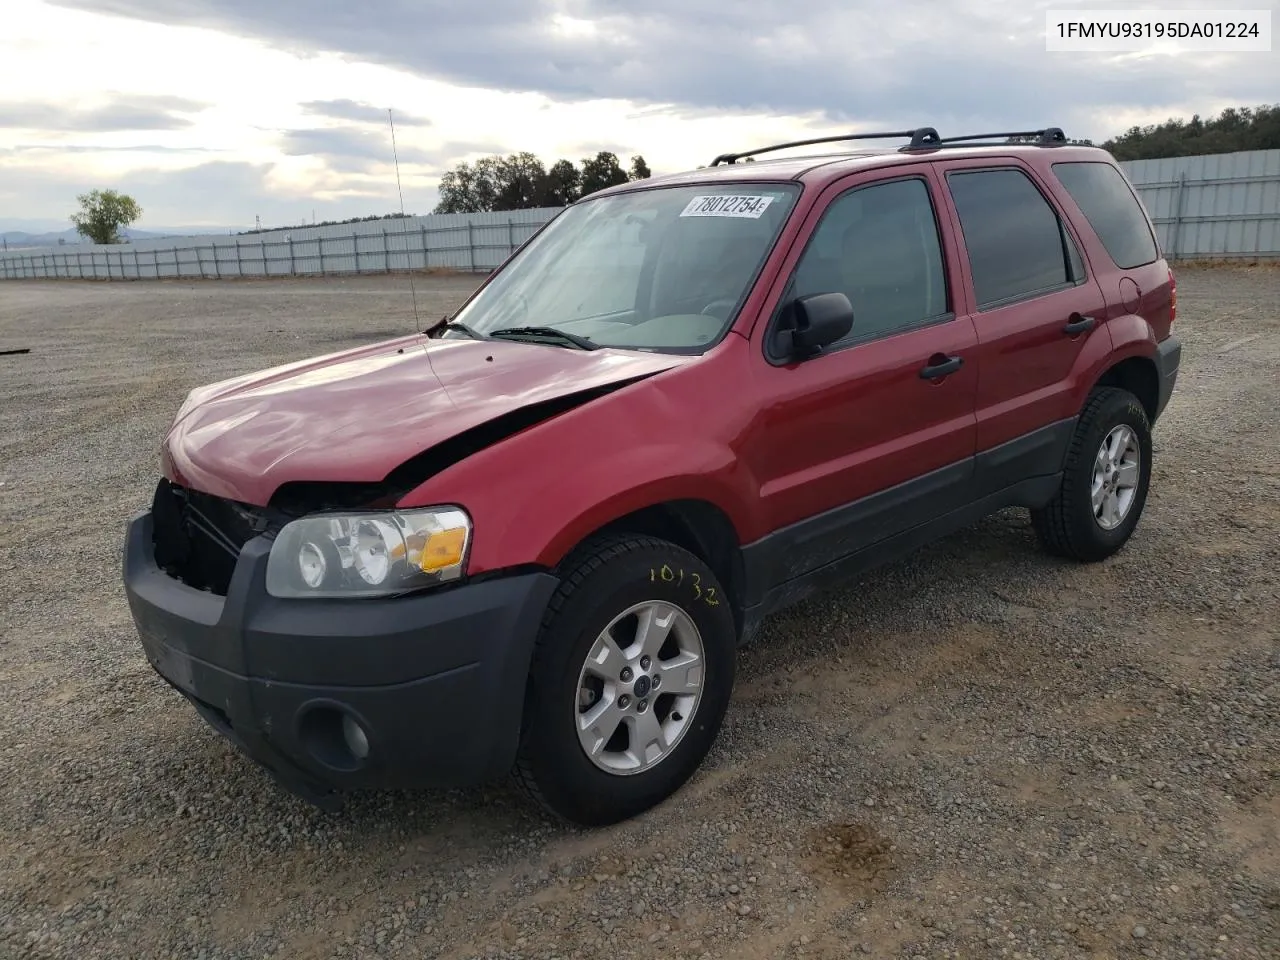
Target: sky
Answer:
pixel 212 113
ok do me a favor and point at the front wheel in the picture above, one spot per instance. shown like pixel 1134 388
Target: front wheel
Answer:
pixel 1104 481
pixel 630 680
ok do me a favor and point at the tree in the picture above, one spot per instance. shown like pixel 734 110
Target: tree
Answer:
pixel 520 181
pixel 601 171
pixel 639 169
pixel 103 213
pixel 514 182
pixel 468 189
pixel 560 188
pixel 1236 128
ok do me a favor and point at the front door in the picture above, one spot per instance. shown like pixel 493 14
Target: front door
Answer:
pixel 875 434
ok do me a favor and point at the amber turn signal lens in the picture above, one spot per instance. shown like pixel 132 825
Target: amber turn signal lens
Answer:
pixel 443 549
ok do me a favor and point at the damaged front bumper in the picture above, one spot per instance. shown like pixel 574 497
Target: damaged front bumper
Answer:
pixel 332 695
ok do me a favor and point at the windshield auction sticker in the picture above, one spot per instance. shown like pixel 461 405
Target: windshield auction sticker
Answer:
pixel 727 206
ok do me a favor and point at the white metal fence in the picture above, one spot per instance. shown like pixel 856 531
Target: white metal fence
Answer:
pixel 466 242
pixel 1220 206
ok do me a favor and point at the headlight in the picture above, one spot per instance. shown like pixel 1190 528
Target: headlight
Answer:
pixel 368 554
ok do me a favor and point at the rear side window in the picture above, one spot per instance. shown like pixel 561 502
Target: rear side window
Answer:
pixel 1017 245
pixel 1112 210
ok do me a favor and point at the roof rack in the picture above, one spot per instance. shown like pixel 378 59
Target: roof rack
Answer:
pixel 920 137
pixel 1048 137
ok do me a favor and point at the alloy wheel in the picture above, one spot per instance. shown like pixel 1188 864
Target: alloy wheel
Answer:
pixel 639 687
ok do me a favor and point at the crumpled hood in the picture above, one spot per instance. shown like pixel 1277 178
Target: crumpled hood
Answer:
pixel 357 415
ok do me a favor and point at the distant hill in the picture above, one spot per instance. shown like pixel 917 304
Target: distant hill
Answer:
pixel 20 239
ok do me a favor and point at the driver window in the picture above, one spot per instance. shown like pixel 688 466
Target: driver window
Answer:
pixel 879 246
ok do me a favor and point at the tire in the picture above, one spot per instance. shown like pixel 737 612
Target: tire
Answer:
pixel 1070 525
pixel 601 581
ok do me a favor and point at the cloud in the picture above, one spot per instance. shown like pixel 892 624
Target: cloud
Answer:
pixel 243 190
pixel 360 112
pixel 303 83
pixel 952 62
pixel 454 150
pixel 351 148
pixel 134 112
pixel 69 148
pixel 589 148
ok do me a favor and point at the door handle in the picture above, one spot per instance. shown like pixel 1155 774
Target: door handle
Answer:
pixel 940 366
pixel 1078 324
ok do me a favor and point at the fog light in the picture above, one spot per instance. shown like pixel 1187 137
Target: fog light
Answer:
pixel 354 735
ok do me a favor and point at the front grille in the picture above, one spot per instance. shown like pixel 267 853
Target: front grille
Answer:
pixel 198 537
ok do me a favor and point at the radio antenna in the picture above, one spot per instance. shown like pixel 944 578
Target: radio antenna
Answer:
pixel 404 227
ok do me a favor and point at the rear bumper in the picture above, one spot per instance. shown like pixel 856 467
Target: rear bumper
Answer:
pixel 434 681
pixel 1168 359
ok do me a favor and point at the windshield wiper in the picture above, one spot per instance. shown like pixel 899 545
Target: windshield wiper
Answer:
pixel 582 343
pixel 463 328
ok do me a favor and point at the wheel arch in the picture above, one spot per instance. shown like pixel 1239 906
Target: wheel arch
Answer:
pixel 1138 375
pixel 1131 365
pixel 698 526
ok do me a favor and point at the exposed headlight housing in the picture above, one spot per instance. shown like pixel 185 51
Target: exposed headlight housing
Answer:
pixel 368 554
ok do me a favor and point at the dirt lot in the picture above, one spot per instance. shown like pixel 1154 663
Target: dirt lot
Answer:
pixel 980 752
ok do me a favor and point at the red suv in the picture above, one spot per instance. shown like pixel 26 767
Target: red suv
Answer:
pixel 533 537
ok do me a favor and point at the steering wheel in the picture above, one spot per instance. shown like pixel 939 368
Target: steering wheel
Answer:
pixel 724 302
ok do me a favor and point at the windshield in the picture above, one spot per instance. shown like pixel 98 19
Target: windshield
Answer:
pixel 661 269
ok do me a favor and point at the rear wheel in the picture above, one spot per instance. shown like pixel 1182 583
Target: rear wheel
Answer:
pixel 630 681
pixel 1105 480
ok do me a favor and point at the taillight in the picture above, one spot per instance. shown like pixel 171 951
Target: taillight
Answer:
pixel 1173 297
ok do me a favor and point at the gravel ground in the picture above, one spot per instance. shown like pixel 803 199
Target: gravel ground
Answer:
pixel 978 752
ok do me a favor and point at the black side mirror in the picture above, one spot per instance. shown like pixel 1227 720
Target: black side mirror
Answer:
pixel 813 322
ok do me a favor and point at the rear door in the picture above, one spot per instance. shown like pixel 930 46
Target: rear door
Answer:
pixel 1035 308
pixel 855 445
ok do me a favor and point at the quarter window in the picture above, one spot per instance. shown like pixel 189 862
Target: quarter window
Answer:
pixel 1017 246
pixel 879 246
pixel 1112 210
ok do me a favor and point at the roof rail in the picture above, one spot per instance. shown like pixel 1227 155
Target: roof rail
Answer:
pixel 920 137
pixel 1048 137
